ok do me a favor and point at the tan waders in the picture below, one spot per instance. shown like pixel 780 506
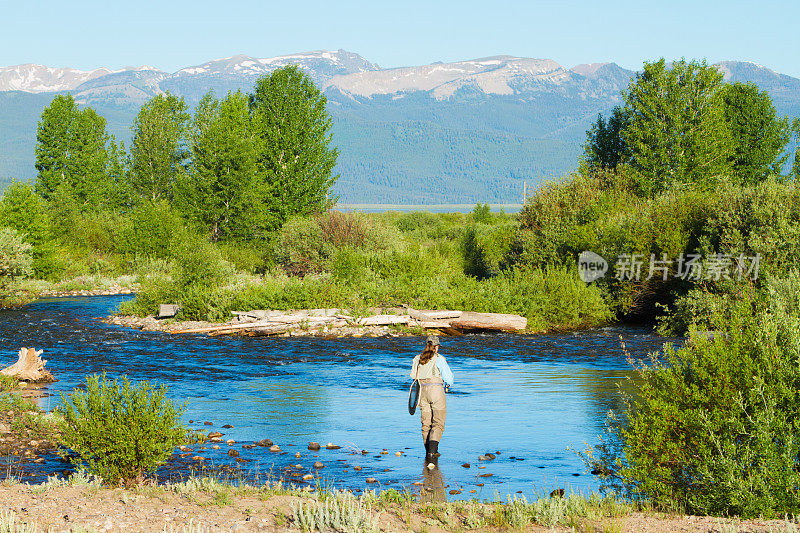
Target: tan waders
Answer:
pixel 433 411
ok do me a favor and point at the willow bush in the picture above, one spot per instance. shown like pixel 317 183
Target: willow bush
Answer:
pixel 712 427
pixel 119 431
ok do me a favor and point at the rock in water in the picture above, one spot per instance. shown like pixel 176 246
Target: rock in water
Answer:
pixel 308 477
pixel 298 455
pixel 558 493
pixel 274 448
pixel 314 446
pixel 233 453
pixel 266 443
pixel 465 465
pixel 319 464
pixel 332 446
pixel 371 480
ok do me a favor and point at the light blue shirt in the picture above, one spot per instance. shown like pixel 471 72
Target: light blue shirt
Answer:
pixel 444 370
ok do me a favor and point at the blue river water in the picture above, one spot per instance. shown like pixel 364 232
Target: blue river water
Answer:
pixel 528 397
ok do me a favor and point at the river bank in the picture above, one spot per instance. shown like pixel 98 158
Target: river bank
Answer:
pixel 206 505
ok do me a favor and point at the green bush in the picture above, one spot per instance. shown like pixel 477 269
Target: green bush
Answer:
pixel 15 257
pixel 712 427
pixel 153 291
pixel 118 431
pixel 486 247
pixel 300 248
pixel 151 230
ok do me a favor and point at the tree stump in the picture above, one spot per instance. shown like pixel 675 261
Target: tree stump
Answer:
pixel 29 367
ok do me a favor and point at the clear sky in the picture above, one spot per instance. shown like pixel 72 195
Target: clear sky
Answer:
pixel 173 34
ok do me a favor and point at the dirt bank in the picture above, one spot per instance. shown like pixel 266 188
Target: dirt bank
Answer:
pixel 207 506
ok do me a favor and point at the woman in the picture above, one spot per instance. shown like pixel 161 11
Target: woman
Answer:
pixel 432 372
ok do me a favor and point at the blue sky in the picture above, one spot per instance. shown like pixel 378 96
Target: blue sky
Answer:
pixel 174 34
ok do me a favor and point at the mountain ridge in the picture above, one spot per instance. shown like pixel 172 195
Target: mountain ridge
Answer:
pixel 455 132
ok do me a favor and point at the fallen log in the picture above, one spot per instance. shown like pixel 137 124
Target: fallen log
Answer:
pixel 222 327
pixel 383 320
pixel 29 367
pixel 441 314
pixel 435 324
pixel 490 321
pixel 437 314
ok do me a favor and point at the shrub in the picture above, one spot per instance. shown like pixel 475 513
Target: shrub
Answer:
pixel 712 427
pixel 150 230
pixel 299 247
pixel 485 247
pixel 15 258
pixel 118 431
pixel 482 214
pixel 198 262
pixel 345 229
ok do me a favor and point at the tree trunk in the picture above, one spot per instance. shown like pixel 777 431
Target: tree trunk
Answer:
pixel 29 367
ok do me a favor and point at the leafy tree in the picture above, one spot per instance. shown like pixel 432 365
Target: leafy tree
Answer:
pixel 605 147
pixel 221 190
pixel 676 130
pixel 15 258
pixel 294 158
pixel 759 136
pixel 795 171
pixel 158 151
pixel 71 152
pixel 120 193
pixel 25 211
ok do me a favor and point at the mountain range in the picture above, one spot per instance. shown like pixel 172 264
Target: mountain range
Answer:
pixel 460 132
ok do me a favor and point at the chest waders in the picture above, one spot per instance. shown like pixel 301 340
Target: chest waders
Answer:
pixel 430 396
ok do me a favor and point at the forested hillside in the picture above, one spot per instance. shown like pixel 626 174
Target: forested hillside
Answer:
pixel 464 132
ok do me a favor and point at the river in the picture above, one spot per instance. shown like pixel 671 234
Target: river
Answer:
pixel 528 397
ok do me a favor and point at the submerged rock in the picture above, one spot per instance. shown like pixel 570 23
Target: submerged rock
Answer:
pixel 319 464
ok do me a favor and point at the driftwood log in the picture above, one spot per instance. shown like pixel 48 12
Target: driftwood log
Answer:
pixel 490 321
pixel 268 322
pixel 29 367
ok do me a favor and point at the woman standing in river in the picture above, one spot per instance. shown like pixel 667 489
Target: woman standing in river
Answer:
pixel 432 372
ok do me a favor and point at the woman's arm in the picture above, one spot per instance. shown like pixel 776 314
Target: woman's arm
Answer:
pixel 444 370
